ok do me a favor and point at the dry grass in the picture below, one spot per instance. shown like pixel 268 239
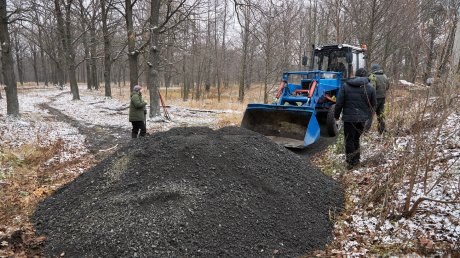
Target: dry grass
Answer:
pixel 229 101
pixel 229 97
pixel 26 180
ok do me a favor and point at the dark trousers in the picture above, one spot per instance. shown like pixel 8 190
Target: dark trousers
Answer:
pixel 380 112
pixel 352 132
pixel 138 126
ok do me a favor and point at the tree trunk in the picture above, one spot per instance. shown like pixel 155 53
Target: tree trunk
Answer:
pixel 244 56
pixel 207 68
pixel 154 59
pixel 449 45
pixel 59 65
pixel 431 55
pixel 132 53
pixel 107 47
pixel 17 48
pixel 33 48
pixel 186 81
pixel 71 54
pixel 220 70
pixel 12 104
pixel 93 52
pixel 44 71
pixel 84 37
pixel 168 73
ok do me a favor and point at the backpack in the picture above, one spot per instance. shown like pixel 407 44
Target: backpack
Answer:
pixel 373 80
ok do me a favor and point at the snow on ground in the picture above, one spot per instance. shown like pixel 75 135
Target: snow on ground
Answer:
pixel 404 82
pixel 436 223
pixel 411 85
pixel 99 110
pixel 36 126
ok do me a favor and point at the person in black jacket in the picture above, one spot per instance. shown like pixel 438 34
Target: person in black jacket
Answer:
pixel 356 101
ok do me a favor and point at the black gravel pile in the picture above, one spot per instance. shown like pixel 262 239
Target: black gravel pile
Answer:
pixel 193 192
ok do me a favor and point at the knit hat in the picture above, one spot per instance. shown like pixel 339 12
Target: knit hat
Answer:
pixel 137 88
pixel 375 67
pixel 361 72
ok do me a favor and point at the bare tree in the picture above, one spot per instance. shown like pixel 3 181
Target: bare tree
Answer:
pixel 39 42
pixel 446 54
pixel 18 50
pixel 93 47
pixel 65 31
pixel 245 50
pixel 85 28
pixel 12 104
pixel 33 49
pixel 176 13
pixel 107 46
pixel 154 57
pixel 133 53
pixel 270 35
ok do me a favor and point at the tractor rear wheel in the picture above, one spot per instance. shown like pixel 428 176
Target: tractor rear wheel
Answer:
pixel 333 126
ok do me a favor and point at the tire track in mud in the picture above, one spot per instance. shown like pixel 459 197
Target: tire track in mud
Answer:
pixel 97 137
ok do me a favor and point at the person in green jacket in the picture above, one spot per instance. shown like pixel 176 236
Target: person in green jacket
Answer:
pixel 137 113
pixel 381 84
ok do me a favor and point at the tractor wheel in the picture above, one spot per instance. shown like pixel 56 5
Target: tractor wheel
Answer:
pixel 333 126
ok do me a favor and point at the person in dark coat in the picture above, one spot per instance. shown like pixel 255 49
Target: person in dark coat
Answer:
pixel 137 113
pixel 381 84
pixel 356 101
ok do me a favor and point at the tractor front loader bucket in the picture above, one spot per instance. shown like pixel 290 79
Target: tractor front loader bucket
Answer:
pixel 290 126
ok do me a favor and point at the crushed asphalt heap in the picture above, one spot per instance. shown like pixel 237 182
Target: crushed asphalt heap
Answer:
pixel 193 192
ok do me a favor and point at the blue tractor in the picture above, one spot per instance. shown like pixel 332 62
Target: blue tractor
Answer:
pixel 304 104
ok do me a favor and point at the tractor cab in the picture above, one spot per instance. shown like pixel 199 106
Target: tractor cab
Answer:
pixel 339 58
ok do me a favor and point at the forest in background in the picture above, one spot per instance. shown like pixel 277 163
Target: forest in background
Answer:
pixel 202 44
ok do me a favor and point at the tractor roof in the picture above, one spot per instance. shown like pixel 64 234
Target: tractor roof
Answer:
pixel 339 46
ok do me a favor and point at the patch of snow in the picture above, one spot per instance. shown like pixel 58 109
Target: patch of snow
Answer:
pixel 404 82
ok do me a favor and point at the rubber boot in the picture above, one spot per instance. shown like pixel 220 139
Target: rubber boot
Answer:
pixel 133 135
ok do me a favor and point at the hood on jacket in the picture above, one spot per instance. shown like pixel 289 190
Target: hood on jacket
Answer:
pixel 358 81
pixel 377 72
pixel 375 68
